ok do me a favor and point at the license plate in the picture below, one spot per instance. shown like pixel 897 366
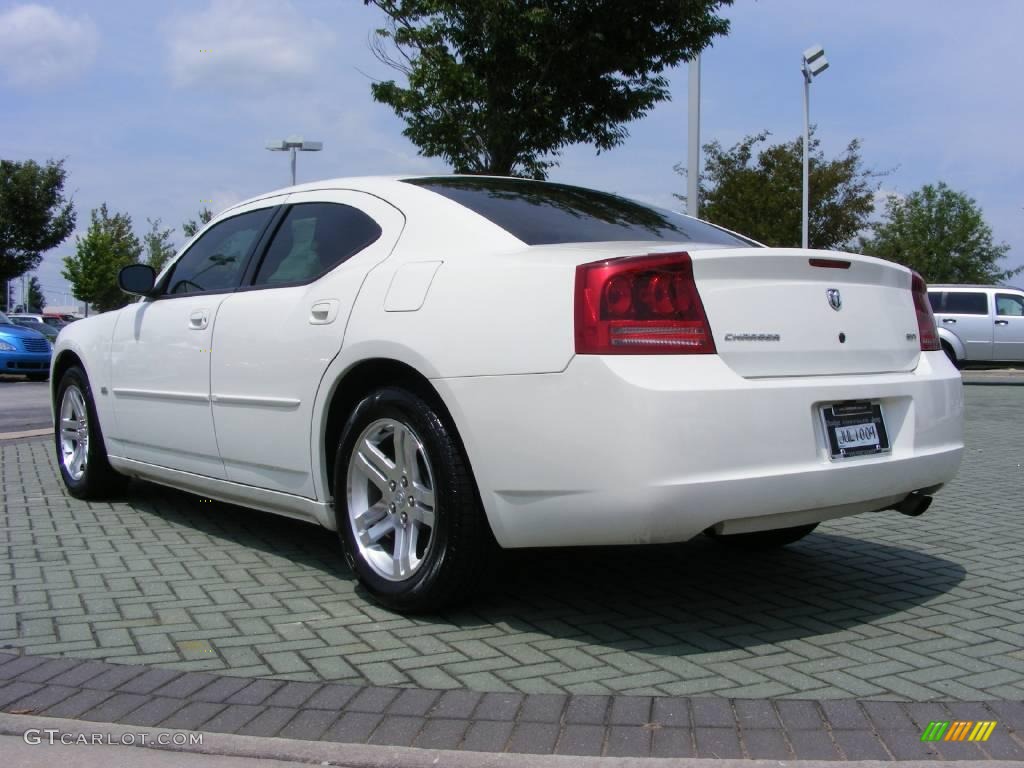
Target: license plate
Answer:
pixel 854 429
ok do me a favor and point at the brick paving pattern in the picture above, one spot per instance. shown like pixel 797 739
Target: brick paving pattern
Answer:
pixel 879 607
pixel 629 726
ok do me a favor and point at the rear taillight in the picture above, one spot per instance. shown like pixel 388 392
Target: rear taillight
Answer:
pixel 926 330
pixel 640 305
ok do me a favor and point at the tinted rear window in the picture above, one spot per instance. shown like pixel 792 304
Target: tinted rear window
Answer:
pixel 541 213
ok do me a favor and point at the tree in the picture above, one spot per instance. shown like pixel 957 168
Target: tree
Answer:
pixel 158 246
pixel 36 299
pixel 108 245
pixel 190 227
pixel 502 86
pixel 34 215
pixel 942 234
pixel 762 198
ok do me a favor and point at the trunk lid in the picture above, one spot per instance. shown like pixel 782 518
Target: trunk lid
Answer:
pixel 771 315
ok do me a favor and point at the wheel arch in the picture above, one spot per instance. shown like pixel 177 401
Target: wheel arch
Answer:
pixel 67 358
pixel 953 341
pixel 354 384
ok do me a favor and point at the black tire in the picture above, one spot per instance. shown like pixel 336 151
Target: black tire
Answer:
pixel 98 479
pixel 459 544
pixel 763 540
pixel 38 376
pixel 951 355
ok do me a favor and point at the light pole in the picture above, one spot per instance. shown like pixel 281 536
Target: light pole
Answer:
pixel 295 144
pixel 693 137
pixel 814 63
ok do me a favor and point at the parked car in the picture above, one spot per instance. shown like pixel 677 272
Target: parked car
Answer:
pixel 456 362
pixel 23 351
pixel 58 320
pixel 30 321
pixel 37 319
pixel 979 323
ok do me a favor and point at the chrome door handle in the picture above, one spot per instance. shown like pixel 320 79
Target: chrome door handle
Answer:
pixel 949 320
pixel 198 320
pixel 1002 322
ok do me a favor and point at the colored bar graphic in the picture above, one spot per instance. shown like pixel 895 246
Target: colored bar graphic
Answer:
pixel 958 730
pixel 982 731
pixel 934 731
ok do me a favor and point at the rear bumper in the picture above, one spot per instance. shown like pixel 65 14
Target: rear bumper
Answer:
pixel 644 449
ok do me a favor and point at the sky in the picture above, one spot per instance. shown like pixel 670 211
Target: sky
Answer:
pixel 157 108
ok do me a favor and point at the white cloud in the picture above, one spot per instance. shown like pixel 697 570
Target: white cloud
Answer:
pixel 245 44
pixel 41 46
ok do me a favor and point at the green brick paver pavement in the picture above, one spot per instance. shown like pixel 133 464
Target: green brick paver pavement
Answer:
pixel 878 606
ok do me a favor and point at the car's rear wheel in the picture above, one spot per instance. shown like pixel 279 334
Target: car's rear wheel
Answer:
pixel 81 455
pixel 762 540
pixel 409 517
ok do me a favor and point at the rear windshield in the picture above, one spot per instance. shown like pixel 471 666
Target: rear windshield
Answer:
pixel 542 213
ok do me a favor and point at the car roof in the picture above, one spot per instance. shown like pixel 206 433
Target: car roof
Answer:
pixel 26 316
pixel 971 286
pixel 379 185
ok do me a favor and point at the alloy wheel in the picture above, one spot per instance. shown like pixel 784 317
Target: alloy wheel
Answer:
pixel 390 494
pixel 74 432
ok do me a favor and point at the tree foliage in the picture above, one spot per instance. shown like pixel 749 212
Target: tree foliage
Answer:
pixel 34 214
pixel 942 234
pixel 502 86
pixel 190 227
pixel 157 243
pixel 108 245
pixel 35 300
pixel 758 191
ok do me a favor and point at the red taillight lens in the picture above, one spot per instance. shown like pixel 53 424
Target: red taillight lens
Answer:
pixel 926 330
pixel 640 305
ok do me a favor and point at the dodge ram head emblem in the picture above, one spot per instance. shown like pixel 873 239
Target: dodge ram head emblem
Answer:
pixel 835 300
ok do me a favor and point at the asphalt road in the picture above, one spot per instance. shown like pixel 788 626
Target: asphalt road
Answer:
pixel 24 404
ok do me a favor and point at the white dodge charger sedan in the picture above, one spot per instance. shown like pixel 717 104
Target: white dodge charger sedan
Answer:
pixel 434 366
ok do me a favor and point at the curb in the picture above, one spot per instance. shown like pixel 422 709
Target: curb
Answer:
pixel 471 724
pixel 26 433
pixel 358 756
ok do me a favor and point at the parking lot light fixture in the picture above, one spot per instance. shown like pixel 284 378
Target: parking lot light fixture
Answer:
pixel 294 144
pixel 813 64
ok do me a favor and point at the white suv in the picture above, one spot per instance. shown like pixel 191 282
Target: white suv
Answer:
pixel 979 323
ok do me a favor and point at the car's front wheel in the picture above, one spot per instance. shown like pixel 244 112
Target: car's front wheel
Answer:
pixel 762 540
pixel 81 455
pixel 409 516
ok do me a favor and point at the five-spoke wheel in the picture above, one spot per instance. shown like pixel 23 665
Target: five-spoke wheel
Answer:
pixel 407 508
pixel 81 454
pixel 391 498
pixel 73 435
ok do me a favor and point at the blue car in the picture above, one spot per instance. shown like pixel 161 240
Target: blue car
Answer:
pixel 24 351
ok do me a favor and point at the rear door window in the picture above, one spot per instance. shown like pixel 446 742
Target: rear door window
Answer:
pixel 963 303
pixel 313 239
pixel 542 213
pixel 1008 305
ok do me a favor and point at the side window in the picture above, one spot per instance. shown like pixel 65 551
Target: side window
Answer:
pixel 935 298
pixel 313 239
pixel 1009 305
pixel 966 304
pixel 216 260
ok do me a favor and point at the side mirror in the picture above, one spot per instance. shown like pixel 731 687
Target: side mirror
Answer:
pixel 137 279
